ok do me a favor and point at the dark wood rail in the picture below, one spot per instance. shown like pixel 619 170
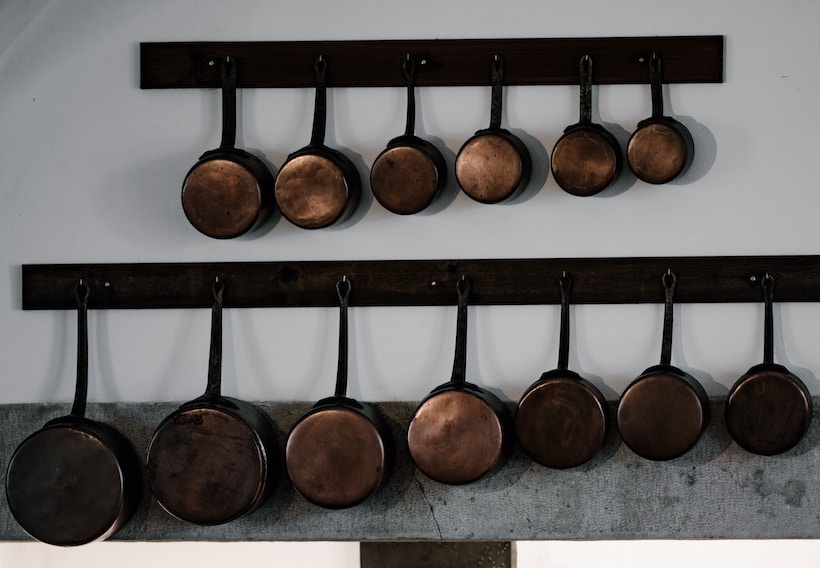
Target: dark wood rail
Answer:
pixel 455 62
pixel 422 282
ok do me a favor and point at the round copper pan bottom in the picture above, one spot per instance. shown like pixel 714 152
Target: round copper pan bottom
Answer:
pixel 489 168
pixel 584 162
pixel 404 180
pixel 657 153
pixel 311 191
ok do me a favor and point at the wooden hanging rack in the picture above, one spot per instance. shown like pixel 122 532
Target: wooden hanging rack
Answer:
pixel 446 62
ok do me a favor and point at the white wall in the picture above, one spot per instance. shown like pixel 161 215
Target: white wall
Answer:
pixel 91 169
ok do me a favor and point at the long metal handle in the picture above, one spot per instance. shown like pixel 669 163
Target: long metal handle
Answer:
pixel 460 362
pixel 409 67
pixel 343 288
pixel 81 292
pixel 317 137
pixel 656 85
pixel 670 281
pixel 565 282
pixel 767 283
pixel 214 388
pixel 585 72
pixel 497 102
pixel 228 103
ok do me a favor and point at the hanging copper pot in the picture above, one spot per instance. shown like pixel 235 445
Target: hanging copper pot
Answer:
pixel 663 412
pixel 561 420
pixel 587 158
pixel 215 458
pixel 661 149
pixel 460 432
pixel 341 452
pixel 229 191
pixel 408 175
pixel 76 480
pixel 769 409
pixel 318 186
pixel 494 165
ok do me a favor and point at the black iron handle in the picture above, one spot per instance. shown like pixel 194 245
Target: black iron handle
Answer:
pixel 228 103
pixel 497 102
pixel 656 85
pixel 214 388
pixel 409 67
pixel 81 291
pixel 767 283
pixel 317 137
pixel 670 281
pixel 585 72
pixel 460 362
pixel 565 283
pixel 343 288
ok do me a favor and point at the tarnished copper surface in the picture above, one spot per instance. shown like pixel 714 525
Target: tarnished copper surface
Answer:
pixel 561 422
pixel 206 466
pixel 404 180
pixel 66 487
pixel 221 198
pixel 657 153
pixel 336 457
pixel 489 168
pixel 311 191
pixel 455 437
pixel 768 412
pixel 584 162
pixel 660 416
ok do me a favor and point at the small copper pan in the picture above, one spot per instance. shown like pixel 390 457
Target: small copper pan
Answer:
pixel 769 409
pixel 587 158
pixel 409 174
pixel 661 148
pixel 318 186
pixel 229 191
pixel 460 432
pixel 341 452
pixel 561 421
pixel 663 412
pixel 494 165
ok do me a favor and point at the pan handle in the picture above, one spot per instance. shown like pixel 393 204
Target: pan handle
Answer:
pixel 670 281
pixel 228 103
pixel 343 288
pixel 81 291
pixel 565 283
pixel 497 102
pixel 656 85
pixel 214 389
pixel 767 283
pixel 409 67
pixel 460 362
pixel 317 137
pixel 585 71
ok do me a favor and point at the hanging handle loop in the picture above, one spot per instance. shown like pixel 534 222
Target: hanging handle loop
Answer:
pixel 343 288
pixel 670 281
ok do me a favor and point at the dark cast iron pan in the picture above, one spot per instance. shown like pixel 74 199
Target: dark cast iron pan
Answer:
pixel 460 432
pixel 228 192
pixel 494 164
pixel 408 175
pixel 341 451
pixel 587 158
pixel 769 409
pixel 215 458
pixel 661 148
pixel 663 412
pixel 74 481
pixel 318 186
pixel 561 420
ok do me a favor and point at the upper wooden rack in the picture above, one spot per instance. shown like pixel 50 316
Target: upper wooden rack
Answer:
pixel 446 62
